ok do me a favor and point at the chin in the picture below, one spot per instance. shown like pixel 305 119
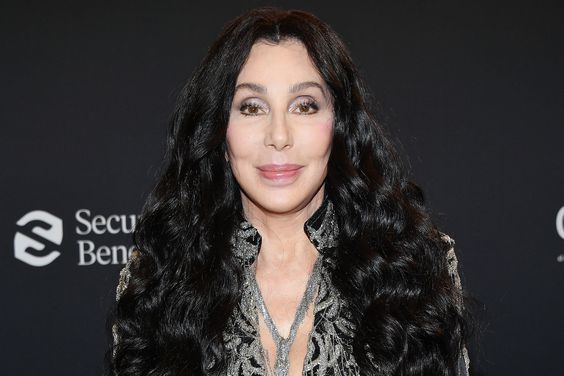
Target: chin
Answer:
pixel 281 203
pixel 283 200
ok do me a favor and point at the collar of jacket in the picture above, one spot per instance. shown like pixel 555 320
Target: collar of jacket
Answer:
pixel 321 229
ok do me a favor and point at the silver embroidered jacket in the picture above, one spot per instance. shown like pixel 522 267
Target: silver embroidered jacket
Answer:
pixel 329 350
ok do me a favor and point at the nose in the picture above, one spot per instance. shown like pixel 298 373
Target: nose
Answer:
pixel 279 133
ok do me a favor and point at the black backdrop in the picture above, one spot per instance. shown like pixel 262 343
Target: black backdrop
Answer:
pixel 474 91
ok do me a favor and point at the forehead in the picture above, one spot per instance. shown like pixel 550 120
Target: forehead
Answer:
pixel 287 61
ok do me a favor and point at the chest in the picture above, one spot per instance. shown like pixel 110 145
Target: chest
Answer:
pixel 322 346
pixel 297 351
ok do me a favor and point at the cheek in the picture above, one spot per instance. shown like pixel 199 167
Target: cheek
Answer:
pixel 321 137
pixel 237 140
pixel 326 128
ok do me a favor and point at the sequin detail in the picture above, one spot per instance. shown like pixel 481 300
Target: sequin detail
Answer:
pixel 329 350
pixel 464 361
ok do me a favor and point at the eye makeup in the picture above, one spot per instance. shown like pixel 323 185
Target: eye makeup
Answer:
pixel 300 106
pixel 252 107
pixel 303 105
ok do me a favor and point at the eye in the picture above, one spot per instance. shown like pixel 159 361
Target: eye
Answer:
pixel 305 107
pixel 251 109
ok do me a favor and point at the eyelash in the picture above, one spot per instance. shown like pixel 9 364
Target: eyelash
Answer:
pixel 305 102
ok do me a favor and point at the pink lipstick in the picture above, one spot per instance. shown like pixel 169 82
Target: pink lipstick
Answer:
pixel 280 174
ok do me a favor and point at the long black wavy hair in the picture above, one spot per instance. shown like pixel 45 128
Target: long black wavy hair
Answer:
pixel 391 261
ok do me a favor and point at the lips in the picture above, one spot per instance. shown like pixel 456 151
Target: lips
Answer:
pixel 280 173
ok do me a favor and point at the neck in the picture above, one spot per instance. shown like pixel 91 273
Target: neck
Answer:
pixel 284 242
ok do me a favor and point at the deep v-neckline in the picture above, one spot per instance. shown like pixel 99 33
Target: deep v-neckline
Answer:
pixel 284 345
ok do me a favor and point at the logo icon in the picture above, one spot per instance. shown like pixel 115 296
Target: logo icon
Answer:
pixel 560 229
pixel 54 234
pixel 560 222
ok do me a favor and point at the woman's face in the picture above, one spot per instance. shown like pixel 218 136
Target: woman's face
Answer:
pixel 280 128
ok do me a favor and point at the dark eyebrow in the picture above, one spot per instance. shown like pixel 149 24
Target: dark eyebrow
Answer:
pixel 293 89
pixel 304 85
pixel 254 87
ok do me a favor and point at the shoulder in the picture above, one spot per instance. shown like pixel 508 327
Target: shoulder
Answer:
pixel 124 276
pixel 452 260
pixel 125 273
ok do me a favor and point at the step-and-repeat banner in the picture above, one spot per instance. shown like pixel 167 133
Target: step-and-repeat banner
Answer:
pixel 473 91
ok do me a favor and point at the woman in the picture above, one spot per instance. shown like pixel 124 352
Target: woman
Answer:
pixel 283 236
